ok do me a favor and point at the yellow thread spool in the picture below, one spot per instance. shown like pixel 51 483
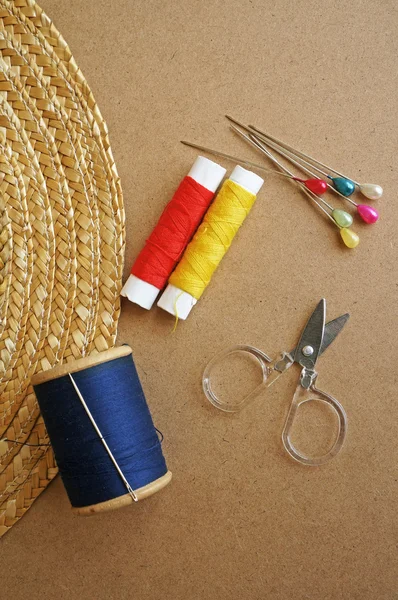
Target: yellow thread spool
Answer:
pixel 210 243
pixel 212 239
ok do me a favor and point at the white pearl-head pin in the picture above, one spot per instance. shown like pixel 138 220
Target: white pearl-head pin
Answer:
pixel 371 190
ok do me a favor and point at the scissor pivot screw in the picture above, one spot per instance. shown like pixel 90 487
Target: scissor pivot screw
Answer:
pixel 308 351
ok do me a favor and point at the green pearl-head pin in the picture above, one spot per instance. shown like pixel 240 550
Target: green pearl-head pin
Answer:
pixel 342 218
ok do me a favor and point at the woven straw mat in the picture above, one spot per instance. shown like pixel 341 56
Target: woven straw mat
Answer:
pixel 62 237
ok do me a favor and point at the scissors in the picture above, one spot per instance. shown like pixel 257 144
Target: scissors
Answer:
pixel 314 340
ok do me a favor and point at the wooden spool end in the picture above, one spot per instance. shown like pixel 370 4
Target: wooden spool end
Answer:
pixel 80 365
pixel 126 499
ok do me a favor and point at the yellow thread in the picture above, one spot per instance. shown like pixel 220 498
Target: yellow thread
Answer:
pixel 176 312
pixel 212 239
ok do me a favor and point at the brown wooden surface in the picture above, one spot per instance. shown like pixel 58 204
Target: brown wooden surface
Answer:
pixel 240 519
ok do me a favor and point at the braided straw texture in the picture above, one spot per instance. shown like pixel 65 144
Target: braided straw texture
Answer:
pixel 61 237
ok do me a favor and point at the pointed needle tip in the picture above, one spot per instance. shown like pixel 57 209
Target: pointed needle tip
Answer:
pixel 236 122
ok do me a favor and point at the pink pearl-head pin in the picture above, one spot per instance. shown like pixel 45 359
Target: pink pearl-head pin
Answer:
pixel 367 213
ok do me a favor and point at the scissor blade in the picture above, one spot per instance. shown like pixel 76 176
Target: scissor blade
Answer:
pixel 332 330
pixel 311 338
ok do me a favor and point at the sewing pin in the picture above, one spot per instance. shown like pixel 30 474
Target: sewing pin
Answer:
pixel 338 217
pixel 316 185
pixel 343 184
pixel 366 212
pixel 342 218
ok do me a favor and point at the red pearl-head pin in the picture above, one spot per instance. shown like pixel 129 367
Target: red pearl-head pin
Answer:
pixel 315 185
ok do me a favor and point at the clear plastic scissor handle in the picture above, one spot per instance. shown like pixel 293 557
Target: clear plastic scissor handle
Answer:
pixel 270 371
pixel 236 404
pixel 301 396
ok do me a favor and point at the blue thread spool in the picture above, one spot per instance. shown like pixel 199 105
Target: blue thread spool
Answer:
pixel 108 400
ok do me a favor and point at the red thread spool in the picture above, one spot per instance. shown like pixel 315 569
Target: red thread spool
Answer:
pixel 176 226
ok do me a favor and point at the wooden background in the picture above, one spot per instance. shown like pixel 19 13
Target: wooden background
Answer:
pixel 241 519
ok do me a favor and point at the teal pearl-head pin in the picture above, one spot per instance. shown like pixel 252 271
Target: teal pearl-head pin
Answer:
pixel 346 187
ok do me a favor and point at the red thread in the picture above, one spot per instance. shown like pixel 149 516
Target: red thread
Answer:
pixel 172 233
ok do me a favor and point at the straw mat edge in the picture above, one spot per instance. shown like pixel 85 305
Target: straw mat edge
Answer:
pixel 61 237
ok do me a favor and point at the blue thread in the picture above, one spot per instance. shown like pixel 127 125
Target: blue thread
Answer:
pixel 114 396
